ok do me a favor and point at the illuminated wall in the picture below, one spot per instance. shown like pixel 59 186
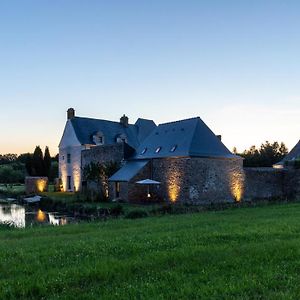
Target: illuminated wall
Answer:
pixel 199 180
pixel 237 184
pixel 35 185
pixel 173 182
pixel 70 145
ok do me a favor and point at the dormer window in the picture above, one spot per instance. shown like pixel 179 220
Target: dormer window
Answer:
pixel 122 138
pixel 144 151
pixel 173 148
pixel 157 149
pixel 98 138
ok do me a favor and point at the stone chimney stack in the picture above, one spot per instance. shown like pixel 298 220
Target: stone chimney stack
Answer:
pixel 219 137
pixel 71 113
pixel 124 121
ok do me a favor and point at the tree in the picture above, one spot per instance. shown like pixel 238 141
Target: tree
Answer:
pixel 99 174
pixel 37 166
pixel 53 171
pixel 11 174
pixel 47 162
pixel 28 164
pixel 266 156
pixel 8 158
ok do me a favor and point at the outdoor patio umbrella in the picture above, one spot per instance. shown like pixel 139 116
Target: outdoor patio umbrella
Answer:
pixel 148 182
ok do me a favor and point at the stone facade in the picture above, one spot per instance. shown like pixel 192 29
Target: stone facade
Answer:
pixel 188 180
pixel 263 183
pixel 105 153
pixel 292 183
pixel 35 185
pixel 209 180
pixel 199 180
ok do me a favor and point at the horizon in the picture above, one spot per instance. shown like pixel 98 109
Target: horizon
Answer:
pixel 232 64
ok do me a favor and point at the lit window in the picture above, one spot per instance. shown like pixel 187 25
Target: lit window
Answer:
pixel 157 149
pixel 68 158
pixel 173 148
pixel 144 151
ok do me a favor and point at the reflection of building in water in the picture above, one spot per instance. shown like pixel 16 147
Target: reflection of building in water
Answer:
pixel 53 220
pixel 13 215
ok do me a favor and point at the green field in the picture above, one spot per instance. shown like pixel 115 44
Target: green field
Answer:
pixel 248 253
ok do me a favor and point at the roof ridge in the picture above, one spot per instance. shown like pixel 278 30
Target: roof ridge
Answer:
pixel 178 121
pixel 94 119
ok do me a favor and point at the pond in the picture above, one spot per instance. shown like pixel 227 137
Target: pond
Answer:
pixel 20 216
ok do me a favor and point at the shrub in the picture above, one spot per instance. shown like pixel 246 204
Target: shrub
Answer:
pixel 117 210
pixel 137 213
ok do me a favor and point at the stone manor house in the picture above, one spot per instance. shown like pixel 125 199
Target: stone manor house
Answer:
pixel 185 158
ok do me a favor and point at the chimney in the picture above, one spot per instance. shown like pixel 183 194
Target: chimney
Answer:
pixel 71 113
pixel 124 121
pixel 219 137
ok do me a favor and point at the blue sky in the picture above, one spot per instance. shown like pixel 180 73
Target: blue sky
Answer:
pixel 233 63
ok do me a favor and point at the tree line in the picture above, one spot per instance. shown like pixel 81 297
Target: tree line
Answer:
pixel 14 168
pixel 266 155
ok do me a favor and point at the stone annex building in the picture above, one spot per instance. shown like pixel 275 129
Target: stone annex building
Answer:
pixel 188 160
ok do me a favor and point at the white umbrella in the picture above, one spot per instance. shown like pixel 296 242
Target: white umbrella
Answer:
pixel 148 182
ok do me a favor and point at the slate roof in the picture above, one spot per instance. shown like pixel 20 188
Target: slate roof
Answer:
pixel 293 154
pixel 128 171
pixel 85 128
pixel 190 137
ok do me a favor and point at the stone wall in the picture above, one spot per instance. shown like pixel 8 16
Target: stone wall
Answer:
pixel 103 154
pixel 199 180
pixel 292 183
pixel 263 183
pixel 209 180
pixel 35 185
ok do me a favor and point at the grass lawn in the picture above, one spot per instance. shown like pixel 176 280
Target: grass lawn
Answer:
pixel 249 253
pixel 12 188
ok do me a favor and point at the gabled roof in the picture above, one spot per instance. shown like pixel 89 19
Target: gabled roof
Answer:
pixel 293 155
pixel 129 170
pixel 85 128
pixel 190 137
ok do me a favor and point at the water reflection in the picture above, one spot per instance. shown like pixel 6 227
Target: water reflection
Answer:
pixel 13 215
pixel 17 216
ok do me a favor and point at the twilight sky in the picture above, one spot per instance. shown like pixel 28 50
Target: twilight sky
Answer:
pixel 236 64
